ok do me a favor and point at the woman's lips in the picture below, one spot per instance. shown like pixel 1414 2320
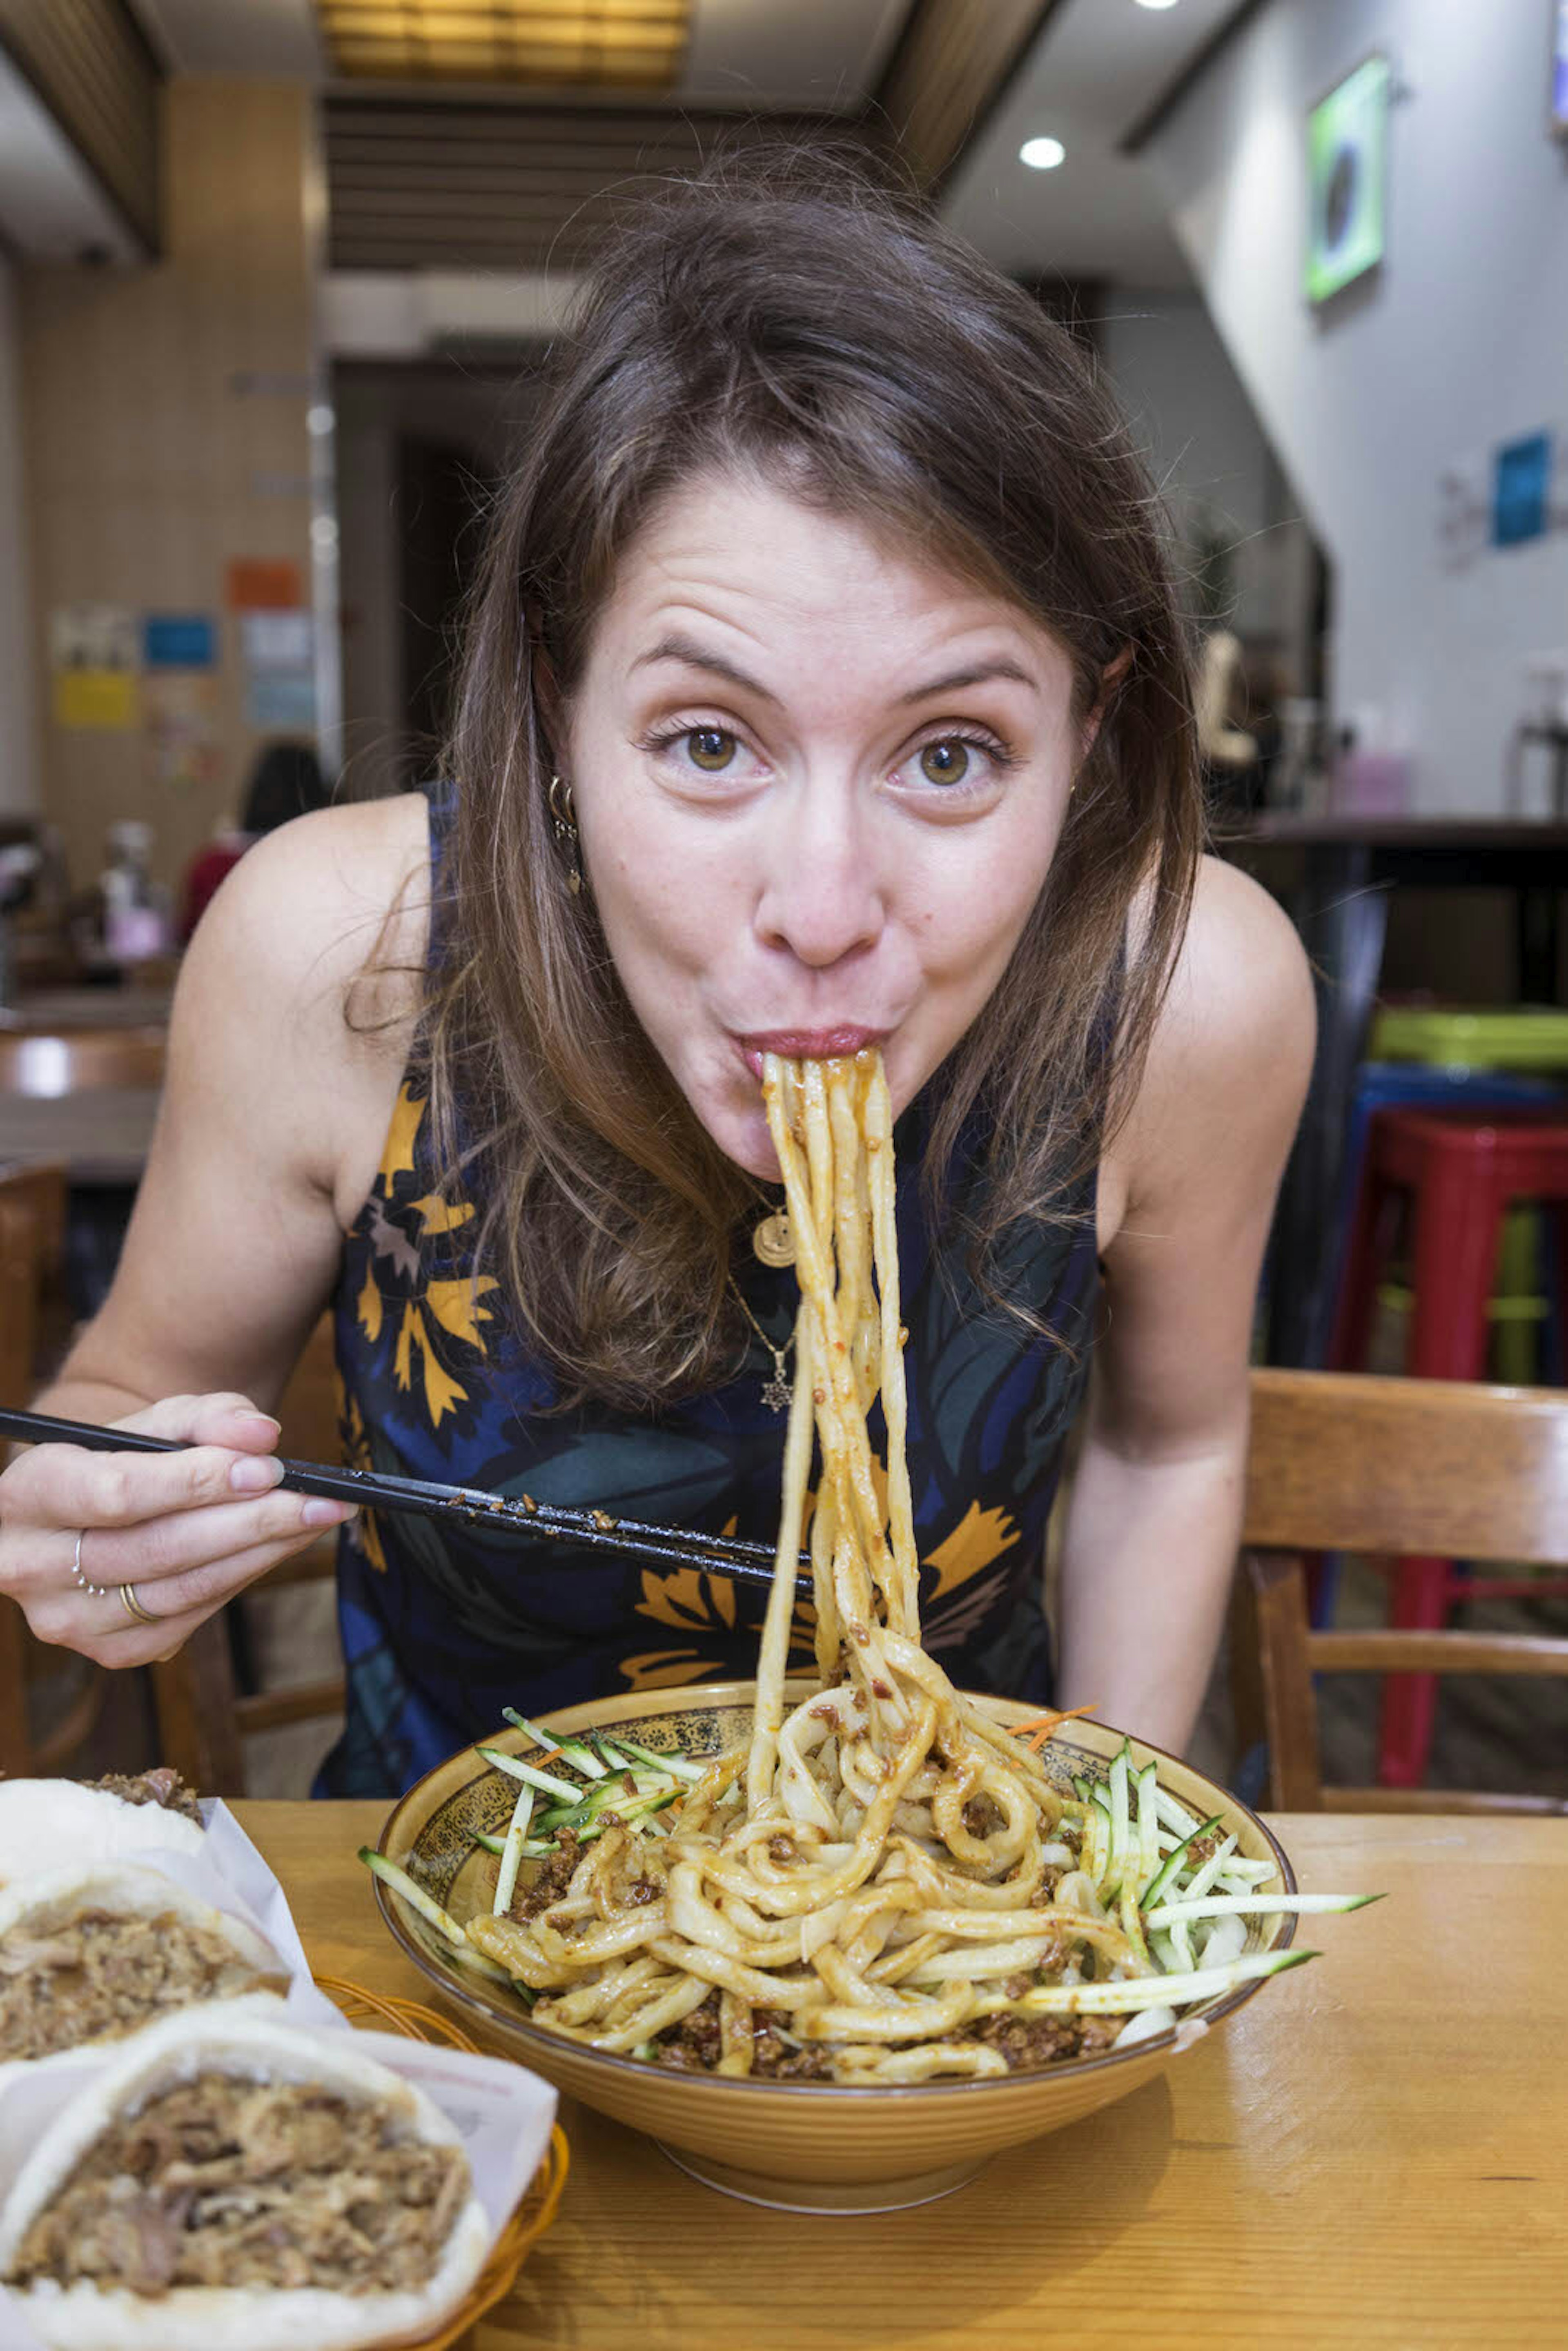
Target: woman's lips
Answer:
pixel 805 1044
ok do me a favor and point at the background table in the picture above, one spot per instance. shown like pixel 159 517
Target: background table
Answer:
pixel 1347 867
pixel 100 1136
pixel 1374 2152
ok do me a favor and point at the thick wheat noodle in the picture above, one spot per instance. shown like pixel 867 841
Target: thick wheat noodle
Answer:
pixel 855 1896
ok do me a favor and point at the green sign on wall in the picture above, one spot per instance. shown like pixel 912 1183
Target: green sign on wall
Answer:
pixel 1347 151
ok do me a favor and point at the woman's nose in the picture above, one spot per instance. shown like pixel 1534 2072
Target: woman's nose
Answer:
pixel 819 892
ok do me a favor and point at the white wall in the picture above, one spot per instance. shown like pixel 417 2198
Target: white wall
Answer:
pixel 1209 455
pixel 1460 344
pixel 18 737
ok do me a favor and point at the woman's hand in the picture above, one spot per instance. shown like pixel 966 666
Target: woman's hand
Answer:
pixel 184 1532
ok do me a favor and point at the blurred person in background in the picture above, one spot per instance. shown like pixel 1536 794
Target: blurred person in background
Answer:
pixel 286 782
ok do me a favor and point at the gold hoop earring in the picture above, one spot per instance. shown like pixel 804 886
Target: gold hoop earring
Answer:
pixel 563 818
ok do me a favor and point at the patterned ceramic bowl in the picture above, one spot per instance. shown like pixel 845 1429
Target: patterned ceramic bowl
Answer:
pixel 805 2146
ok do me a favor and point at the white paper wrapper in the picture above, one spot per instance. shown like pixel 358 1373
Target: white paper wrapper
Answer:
pixel 503 2113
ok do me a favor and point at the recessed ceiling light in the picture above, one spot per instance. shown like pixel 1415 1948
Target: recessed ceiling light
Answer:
pixel 1156 4
pixel 1043 154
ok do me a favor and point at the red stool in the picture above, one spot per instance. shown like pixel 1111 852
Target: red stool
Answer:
pixel 1462 1171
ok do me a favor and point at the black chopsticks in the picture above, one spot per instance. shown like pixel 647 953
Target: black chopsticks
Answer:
pixel 752 1563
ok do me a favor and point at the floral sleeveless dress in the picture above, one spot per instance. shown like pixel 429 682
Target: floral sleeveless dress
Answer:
pixel 441 1628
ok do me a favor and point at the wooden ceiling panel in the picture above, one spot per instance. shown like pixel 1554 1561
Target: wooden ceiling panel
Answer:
pixel 440 184
pixel 463 181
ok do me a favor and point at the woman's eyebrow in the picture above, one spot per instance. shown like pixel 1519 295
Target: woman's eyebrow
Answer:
pixel 955 681
pixel 678 648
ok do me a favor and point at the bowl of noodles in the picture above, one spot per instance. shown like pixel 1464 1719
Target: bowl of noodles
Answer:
pixel 791 2135
pixel 833 1943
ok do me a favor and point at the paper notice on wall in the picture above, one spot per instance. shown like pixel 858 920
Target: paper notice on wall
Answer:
pixel 275 639
pixel 179 719
pixel 278 653
pixel 264 583
pixel 179 641
pixel 1464 509
pixel 94 652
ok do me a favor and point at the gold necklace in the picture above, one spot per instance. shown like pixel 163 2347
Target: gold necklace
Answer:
pixel 776 1392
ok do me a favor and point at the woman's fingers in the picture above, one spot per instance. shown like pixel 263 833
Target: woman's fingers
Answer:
pixel 67 1485
pixel 189 1528
pixel 101 1627
pixel 221 1418
pixel 168 1550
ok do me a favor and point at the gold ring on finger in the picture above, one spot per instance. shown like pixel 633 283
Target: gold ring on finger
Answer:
pixel 133 1606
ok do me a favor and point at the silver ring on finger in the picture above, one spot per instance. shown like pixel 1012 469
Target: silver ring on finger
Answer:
pixel 82 1583
pixel 133 1607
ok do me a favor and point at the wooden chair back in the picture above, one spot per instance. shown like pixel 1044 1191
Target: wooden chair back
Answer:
pixel 75 1061
pixel 32 1243
pixel 204 1716
pixel 1339 1461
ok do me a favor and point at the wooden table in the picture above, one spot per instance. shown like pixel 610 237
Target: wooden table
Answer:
pixel 1346 867
pixel 45 1010
pixel 1374 2152
pixel 101 1135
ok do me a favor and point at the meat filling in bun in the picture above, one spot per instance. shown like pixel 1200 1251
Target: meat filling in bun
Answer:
pixel 93 1955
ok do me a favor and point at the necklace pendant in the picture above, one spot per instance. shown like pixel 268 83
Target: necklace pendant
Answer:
pixel 773 1240
pixel 776 1392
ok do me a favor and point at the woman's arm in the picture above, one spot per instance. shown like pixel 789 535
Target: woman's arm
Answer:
pixel 267 1139
pixel 1151 1533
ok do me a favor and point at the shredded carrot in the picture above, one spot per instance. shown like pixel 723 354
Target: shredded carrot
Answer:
pixel 1041 1726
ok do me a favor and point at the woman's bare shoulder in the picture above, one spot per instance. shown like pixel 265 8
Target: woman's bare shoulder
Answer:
pixel 315 901
pixel 1231 1052
pixel 299 991
pixel 1242 985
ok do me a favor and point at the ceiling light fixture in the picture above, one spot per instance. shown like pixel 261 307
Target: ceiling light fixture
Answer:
pixel 1043 154
pixel 630 44
pixel 1156 4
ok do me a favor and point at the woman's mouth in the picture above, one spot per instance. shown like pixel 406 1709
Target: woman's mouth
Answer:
pixel 805 1044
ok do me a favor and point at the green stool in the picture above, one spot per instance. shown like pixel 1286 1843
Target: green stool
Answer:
pixel 1512 1037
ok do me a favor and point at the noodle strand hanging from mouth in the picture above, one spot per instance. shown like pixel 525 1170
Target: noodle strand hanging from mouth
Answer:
pixel 870 1874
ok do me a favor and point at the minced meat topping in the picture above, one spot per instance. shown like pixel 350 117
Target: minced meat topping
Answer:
pixel 233 2183
pixel 1028 2042
pixel 162 1786
pixel 96 1976
pixel 551 1880
pixel 695 2044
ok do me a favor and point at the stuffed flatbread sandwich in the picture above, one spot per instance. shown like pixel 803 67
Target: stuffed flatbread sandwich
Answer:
pixel 231 2181
pixel 93 1955
pixel 44 1823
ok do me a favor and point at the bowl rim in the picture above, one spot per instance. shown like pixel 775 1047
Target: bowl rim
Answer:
pixel 639 2069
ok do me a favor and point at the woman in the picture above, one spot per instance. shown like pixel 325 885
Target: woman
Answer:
pixel 824 686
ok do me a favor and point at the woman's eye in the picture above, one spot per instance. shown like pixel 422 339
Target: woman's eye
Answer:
pixel 710 749
pixel 947 762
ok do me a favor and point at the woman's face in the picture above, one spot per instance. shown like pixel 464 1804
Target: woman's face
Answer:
pixel 818 785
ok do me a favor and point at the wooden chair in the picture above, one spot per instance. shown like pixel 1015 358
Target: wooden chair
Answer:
pixel 32 1242
pixel 1339 1461
pixel 75 1061
pixel 204 1716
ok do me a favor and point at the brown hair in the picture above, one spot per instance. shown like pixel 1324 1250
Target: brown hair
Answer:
pixel 796 317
